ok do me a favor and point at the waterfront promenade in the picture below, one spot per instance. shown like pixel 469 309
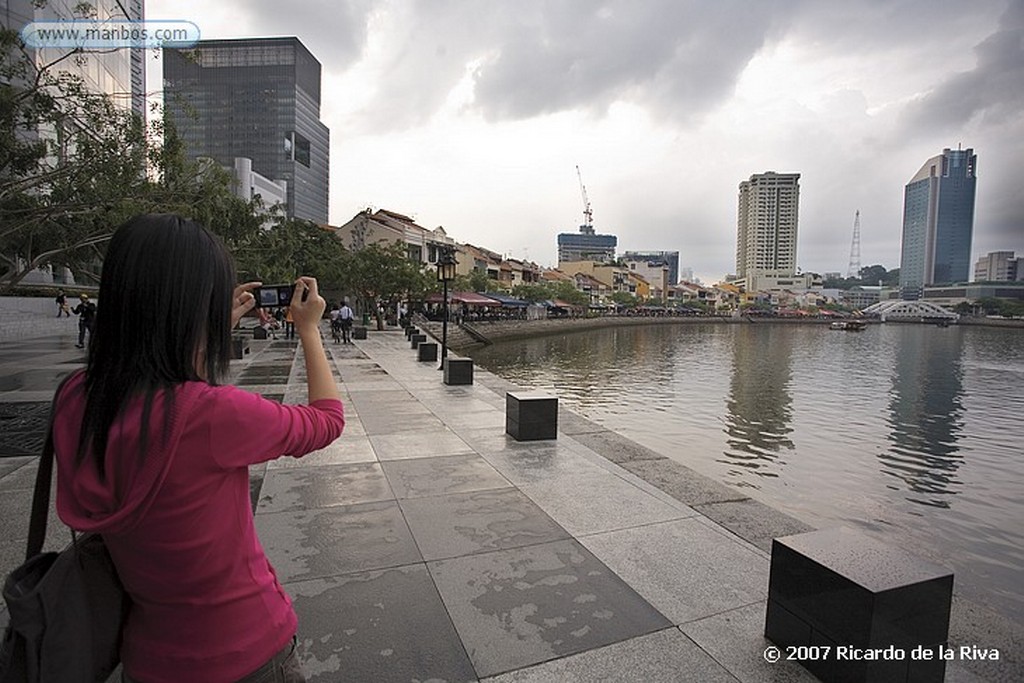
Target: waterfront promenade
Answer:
pixel 426 544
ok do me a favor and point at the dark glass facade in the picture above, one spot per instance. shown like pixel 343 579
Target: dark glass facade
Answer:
pixel 938 222
pixel 586 247
pixel 256 98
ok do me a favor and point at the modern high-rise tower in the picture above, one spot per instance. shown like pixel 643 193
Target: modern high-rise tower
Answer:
pixel 766 224
pixel 258 99
pixel 938 222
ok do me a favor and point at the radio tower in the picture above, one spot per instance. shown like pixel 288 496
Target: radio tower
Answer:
pixel 854 268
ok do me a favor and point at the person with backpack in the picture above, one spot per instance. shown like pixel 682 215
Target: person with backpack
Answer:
pixel 152 452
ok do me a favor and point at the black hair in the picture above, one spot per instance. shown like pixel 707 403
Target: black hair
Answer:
pixel 165 305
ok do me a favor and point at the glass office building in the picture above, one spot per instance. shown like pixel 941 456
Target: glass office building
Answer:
pixel 938 223
pixel 255 98
pixel 586 246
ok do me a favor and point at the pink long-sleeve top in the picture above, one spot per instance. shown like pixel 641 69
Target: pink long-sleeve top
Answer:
pixel 206 604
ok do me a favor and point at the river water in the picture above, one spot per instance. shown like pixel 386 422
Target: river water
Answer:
pixel 913 434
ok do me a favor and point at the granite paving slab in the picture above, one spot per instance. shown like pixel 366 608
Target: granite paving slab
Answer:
pixel 684 568
pixel 667 656
pixel 679 481
pixel 443 474
pixel 306 488
pixel 418 445
pixel 520 607
pixel 476 522
pixel 600 501
pixel 548 461
pixel 378 626
pixel 735 638
pixel 337 540
pixel 21 477
pixel 12 464
pixel 753 521
pixel 346 449
pixel 380 422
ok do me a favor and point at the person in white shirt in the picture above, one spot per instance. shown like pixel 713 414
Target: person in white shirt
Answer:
pixel 335 324
pixel 346 317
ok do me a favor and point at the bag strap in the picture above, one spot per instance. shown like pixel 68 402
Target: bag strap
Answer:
pixel 41 495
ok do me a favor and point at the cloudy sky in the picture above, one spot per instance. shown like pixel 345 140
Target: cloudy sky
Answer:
pixel 474 114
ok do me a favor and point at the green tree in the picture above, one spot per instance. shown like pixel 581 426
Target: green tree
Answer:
pixel 567 291
pixel 384 274
pixel 74 165
pixel 476 281
pixel 624 299
pixel 872 275
pixel 533 292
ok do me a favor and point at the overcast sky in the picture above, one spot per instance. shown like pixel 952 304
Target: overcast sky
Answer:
pixel 474 115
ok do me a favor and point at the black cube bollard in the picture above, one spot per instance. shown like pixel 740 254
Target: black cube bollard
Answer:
pixel 427 351
pixel 531 416
pixel 359 332
pixel 239 347
pixel 458 371
pixel 416 339
pixel 834 592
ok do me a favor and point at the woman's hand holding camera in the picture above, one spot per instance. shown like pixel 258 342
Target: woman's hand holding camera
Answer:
pixel 242 301
pixel 307 306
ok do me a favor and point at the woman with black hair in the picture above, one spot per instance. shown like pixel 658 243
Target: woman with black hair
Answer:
pixel 153 453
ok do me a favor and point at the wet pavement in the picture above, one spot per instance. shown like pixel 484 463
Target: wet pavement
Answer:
pixel 426 544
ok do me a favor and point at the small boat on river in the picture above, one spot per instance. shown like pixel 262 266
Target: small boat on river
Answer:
pixel 848 325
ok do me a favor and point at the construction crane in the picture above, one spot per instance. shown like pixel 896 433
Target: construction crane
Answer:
pixel 853 270
pixel 588 215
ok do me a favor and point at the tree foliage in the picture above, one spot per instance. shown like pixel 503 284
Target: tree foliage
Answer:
pixel 382 273
pixel 868 275
pixel 74 165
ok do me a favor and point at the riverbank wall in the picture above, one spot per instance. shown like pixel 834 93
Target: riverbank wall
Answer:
pixel 473 335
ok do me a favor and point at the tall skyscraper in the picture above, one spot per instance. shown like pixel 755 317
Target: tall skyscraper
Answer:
pixel 259 99
pixel 766 224
pixel 120 72
pixel 938 222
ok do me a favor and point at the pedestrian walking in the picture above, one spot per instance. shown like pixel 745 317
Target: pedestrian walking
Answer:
pixel 335 324
pixel 62 304
pixel 346 316
pixel 289 324
pixel 152 452
pixel 86 312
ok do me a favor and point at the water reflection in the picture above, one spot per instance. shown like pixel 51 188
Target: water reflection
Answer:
pixel 926 415
pixel 759 407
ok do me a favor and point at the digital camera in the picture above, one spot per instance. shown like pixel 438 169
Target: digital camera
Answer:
pixel 271 296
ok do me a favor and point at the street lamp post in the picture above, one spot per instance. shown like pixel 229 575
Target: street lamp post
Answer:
pixel 445 273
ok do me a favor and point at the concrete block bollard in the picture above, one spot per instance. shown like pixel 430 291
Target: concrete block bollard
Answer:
pixel 531 416
pixel 458 371
pixel 835 593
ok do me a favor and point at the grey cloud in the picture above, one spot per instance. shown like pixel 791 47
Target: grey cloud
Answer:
pixel 335 31
pixel 680 57
pixel 993 90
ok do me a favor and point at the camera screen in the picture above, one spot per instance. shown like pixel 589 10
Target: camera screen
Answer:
pixel 274 295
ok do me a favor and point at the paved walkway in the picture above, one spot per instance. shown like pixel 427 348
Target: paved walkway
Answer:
pixel 425 544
